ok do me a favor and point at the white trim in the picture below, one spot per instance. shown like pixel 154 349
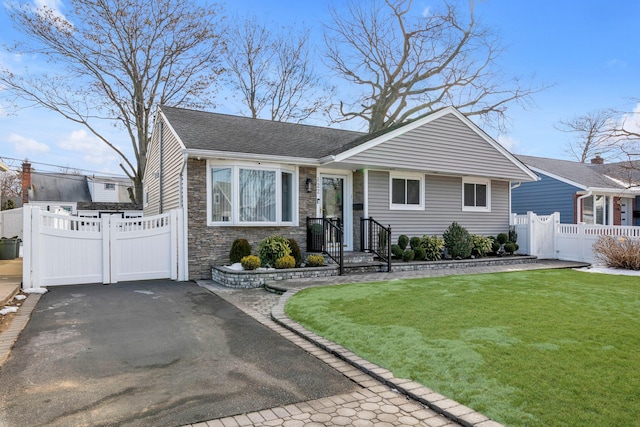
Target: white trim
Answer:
pixel 171 129
pixel 422 121
pixel 235 176
pixel 365 211
pixel 481 181
pixel 233 156
pixel 559 178
pixel 406 176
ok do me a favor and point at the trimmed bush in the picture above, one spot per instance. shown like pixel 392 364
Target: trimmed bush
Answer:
pixel 510 248
pixel 273 248
pixel 315 260
pixel 495 246
pixel 286 261
pixel 296 253
pixel 382 242
pixel 408 255
pixel 619 252
pixel 250 262
pixel 433 247
pixel 481 245
pixel 513 234
pixel 502 238
pixel 421 254
pixel 414 242
pixel 403 241
pixel 240 248
pixel 396 251
pixel 458 241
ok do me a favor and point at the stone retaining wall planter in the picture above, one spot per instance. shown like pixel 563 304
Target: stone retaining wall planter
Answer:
pixel 257 278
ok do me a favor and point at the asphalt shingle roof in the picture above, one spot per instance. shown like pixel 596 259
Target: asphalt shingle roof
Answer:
pixel 201 130
pixel 586 174
pixel 59 187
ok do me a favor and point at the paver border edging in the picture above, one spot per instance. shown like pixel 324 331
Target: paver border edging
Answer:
pixel 434 401
pixel 9 337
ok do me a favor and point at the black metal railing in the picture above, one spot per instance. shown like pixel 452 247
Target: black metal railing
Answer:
pixel 326 235
pixel 376 238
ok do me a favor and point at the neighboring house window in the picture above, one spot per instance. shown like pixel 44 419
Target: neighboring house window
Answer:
pixel 595 210
pixel 109 186
pixel 476 194
pixel 250 195
pixel 406 191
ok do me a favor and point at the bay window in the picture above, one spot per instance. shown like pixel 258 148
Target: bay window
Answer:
pixel 251 195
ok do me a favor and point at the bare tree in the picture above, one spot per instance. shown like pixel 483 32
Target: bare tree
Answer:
pixel 408 64
pixel 115 60
pixel 593 134
pixel 11 183
pixel 626 133
pixel 273 72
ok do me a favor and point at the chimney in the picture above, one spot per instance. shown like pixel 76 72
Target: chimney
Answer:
pixel 597 160
pixel 26 181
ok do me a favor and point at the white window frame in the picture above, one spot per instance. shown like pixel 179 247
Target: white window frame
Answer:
pixel 481 181
pixel 235 196
pixel 110 186
pixel 404 206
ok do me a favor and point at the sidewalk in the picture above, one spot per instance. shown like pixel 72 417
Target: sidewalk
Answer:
pixel 384 399
pixel 10 279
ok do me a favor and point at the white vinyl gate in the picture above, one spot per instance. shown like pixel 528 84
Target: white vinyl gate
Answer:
pixel 66 250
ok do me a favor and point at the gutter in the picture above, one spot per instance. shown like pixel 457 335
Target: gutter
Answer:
pixel 209 154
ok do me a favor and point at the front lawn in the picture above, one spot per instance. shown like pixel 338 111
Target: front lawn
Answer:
pixel 534 348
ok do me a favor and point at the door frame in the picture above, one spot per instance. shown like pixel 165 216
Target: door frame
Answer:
pixel 347 203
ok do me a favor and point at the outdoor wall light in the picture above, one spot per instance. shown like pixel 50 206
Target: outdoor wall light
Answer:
pixel 309 185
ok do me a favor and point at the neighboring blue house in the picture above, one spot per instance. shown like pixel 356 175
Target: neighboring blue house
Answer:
pixel 593 193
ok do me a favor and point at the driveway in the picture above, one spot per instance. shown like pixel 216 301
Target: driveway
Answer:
pixel 155 353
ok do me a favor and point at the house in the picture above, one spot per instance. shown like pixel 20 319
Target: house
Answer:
pixel 593 193
pixel 76 194
pixel 238 177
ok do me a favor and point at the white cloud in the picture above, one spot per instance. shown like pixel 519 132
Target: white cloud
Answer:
pixel 89 147
pixel 26 146
pixel 508 142
pixel 426 12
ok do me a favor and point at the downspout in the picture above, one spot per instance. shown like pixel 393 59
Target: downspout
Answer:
pixel 516 185
pixel 160 208
pixel 185 220
pixel 579 206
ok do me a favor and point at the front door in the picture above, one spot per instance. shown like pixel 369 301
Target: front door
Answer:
pixel 334 197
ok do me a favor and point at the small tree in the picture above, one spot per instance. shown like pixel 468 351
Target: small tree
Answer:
pixel 458 241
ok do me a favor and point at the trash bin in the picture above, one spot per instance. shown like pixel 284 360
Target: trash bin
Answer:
pixel 18 243
pixel 7 248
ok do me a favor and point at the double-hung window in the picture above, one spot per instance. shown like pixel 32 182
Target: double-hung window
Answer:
pixel 476 194
pixel 251 195
pixel 406 191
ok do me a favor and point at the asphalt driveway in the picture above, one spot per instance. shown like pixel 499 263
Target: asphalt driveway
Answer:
pixel 155 353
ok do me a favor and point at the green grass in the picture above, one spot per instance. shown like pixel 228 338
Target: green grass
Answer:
pixel 537 348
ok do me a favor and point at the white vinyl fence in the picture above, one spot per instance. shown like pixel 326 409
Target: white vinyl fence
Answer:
pixel 545 237
pixel 65 250
pixel 11 223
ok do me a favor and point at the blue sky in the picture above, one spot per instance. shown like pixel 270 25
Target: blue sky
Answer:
pixel 586 49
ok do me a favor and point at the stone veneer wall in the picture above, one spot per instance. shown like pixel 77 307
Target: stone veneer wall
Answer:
pixel 209 246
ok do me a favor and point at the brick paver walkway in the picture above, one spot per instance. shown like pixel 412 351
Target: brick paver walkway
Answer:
pixel 384 400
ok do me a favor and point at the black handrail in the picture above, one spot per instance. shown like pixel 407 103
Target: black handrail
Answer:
pixel 326 235
pixel 376 238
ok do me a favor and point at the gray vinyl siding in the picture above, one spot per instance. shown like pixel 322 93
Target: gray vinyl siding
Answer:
pixel 545 197
pixel 445 145
pixel 172 161
pixel 443 205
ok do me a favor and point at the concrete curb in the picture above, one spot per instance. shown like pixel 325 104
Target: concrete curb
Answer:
pixel 448 408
